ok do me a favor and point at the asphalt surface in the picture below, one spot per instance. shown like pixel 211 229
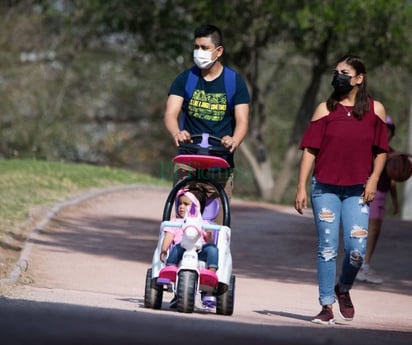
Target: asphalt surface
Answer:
pixel 87 261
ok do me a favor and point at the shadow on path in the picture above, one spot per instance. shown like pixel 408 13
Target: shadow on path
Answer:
pixel 266 243
pixel 57 323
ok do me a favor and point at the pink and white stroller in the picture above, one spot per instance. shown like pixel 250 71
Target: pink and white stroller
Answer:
pixel 191 278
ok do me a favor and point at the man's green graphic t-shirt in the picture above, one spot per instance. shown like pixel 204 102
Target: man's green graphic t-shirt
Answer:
pixel 207 110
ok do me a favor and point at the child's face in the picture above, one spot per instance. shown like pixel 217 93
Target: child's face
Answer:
pixel 183 204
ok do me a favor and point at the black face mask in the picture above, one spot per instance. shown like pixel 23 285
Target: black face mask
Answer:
pixel 341 83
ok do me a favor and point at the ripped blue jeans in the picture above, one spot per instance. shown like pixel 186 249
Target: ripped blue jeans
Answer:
pixel 336 207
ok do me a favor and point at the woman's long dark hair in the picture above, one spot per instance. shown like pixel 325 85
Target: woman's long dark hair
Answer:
pixel 362 96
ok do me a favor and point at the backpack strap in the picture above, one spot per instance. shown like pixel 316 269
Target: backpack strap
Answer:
pixel 190 86
pixel 230 86
pixel 191 83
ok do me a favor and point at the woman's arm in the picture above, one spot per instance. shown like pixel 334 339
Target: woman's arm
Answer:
pixel 306 164
pixel 372 183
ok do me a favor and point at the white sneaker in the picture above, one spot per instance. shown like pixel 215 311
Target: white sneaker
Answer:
pixel 368 276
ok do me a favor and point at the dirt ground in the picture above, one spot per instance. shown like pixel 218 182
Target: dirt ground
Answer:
pixel 95 252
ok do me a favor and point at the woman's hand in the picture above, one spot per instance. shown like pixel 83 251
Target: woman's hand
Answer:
pixel 369 192
pixel 301 200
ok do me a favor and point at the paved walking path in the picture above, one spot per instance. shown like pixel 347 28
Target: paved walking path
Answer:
pixel 96 252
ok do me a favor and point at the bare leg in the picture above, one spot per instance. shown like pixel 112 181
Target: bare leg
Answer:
pixel 366 274
pixel 374 231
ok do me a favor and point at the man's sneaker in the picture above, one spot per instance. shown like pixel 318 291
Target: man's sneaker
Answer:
pixel 346 309
pixel 325 317
pixel 368 276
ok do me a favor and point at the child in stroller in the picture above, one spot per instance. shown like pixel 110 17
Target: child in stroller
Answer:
pixel 185 198
pixel 192 277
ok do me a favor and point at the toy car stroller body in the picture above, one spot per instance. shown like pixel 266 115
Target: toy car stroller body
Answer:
pixel 191 278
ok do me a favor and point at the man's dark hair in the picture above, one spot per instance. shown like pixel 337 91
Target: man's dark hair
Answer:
pixel 208 30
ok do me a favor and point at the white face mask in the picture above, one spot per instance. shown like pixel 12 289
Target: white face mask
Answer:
pixel 203 58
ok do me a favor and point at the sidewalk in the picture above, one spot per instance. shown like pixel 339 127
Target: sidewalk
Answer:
pixel 96 253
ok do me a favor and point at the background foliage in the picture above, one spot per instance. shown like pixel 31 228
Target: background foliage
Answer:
pixel 87 81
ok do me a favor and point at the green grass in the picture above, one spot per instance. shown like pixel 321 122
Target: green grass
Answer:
pixel 29 184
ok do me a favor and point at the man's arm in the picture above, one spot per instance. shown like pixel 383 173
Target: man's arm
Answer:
pixel 241 129
pixel 171 119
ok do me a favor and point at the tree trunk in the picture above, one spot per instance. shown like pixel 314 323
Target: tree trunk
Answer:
pixel 255 149
pixel 292 154
pixel 285 175
pixel 262 172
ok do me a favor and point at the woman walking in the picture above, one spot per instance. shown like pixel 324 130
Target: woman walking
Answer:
pixel 346 145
